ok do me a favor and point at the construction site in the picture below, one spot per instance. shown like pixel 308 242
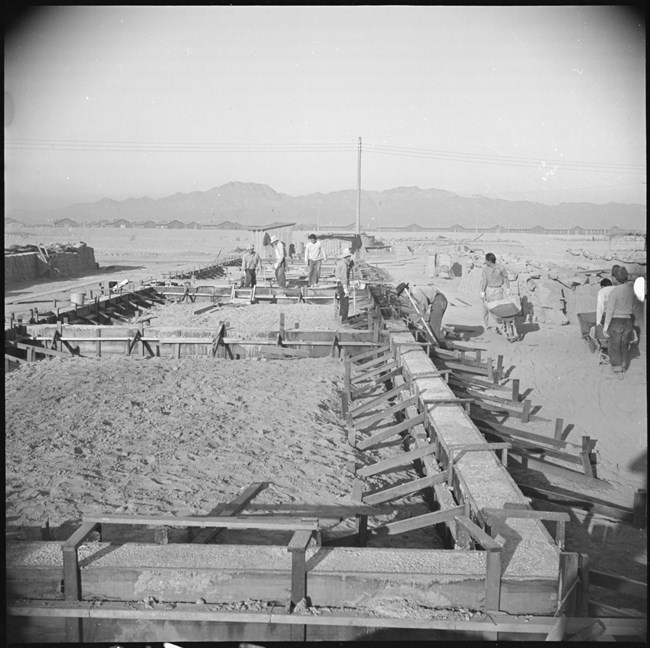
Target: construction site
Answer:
pixel 188 459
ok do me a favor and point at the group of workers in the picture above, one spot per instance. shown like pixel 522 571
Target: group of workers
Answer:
pixel 314 257
pixel 615 318
pixel 432 303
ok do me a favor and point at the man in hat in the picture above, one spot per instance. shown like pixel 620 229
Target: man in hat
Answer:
pixel 494 280
pixel 619 326
pixel 430 302
pixel 342 274
pixel 314 256
pixel 280 261
pixel 250 264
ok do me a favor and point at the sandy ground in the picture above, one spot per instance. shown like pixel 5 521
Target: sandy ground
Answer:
pixel 144 467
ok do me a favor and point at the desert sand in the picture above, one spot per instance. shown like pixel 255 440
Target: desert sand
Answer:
pixel 144 436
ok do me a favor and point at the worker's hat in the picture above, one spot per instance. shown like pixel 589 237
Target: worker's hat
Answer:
pixel 346 252
pixel 401 288
pixel 274 239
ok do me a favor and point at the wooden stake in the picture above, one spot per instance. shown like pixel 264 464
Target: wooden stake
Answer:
pixel 559 428
pixel 499 371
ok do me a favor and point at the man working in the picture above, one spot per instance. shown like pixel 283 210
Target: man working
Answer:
pixel 429 301
pixel 618 325
pixel 314 256
pixel 280 261
pixel 250 264
pixel 342 274
pixel 493 281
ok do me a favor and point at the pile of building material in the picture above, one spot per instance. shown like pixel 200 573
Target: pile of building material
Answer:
pixel 31 262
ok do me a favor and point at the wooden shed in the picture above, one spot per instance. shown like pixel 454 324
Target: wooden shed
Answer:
pixel 261 234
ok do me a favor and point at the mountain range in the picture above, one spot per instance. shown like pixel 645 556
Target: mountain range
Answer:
pixel 249 204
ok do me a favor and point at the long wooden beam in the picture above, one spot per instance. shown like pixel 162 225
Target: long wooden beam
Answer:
pixel 227 522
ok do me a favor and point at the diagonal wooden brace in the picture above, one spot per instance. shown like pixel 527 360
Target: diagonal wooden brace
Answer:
pixel 479 447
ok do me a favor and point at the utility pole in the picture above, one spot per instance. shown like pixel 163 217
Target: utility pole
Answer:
pixel 358 227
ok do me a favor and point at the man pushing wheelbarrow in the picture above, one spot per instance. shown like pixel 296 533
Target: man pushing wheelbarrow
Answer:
pixel 498 304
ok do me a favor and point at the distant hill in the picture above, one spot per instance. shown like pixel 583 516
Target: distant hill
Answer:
pixel 249 203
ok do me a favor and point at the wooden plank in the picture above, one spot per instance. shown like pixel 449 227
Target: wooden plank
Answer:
pixel 558 631
pixel 460 377
pixel 508 410
pixel 387 412
pixel 417 522
pixel 376 382
pixel 619 584
pixel 504 514
pixel 377 400
pixel 239 522
pixel 357 380
pixel 531 446
pixel 478 535
pixel 232 508
pixel 368 354
pixel 378 437
pixel 403 490
pixel 524 434
pixel 496 623
pixel 493 580
pixel 568 583
pixel 374 363
pixel 404 459
pixel 535 463
pixel 596 629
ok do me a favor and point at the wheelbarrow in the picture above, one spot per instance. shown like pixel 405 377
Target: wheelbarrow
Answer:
pixel 504 312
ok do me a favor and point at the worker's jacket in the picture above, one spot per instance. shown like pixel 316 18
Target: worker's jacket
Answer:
pixel 423 296
pixel 342 272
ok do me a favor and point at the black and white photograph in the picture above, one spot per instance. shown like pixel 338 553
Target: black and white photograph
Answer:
pixel 325 323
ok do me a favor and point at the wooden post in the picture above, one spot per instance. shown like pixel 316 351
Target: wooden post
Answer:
pixel 567 594
pixel 161 535
pixel 499 369
pixel 639 509
pixel 347 363
pixel 281 328
pixel 525 412
pixel 493 580
pixel 559 428
pixel 344 404
pixel 297 547
pixel 584 455
pixel 99 344
pixel 515 390
pixel 490 373
pixel 582 596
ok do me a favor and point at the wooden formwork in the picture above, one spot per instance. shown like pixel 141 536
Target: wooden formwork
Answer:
pixel 504 561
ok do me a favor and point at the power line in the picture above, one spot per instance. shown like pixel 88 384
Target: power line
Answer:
pixel 475 158
pixel 172 147
pixel 130 146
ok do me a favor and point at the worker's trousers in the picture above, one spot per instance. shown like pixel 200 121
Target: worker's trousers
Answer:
pixel 620 333
pixel 280 275
pixel 251 278
pixel 437 310
pixel 344 303
pixel 314 272
pixel 492 293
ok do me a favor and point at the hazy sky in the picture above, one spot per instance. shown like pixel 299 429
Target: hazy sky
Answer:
pixel 525 103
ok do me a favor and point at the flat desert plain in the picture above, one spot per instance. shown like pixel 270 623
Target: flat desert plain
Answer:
pixel 553 363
